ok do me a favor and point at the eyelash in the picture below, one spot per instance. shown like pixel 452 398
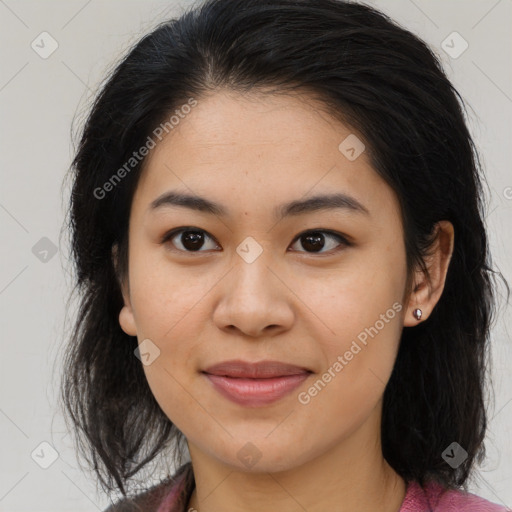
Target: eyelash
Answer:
pixel 174 232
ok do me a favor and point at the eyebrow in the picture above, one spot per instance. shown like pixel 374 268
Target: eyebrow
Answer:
pixel 298 207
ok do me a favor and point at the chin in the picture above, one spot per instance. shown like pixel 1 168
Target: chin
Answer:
pixel 254 457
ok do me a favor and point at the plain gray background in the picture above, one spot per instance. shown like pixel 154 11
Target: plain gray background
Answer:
pixel 39 98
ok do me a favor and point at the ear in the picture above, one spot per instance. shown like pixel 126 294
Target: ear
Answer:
pixel 425 295
pixel 126 316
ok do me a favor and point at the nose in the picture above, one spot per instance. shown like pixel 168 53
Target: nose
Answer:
pixel 255 299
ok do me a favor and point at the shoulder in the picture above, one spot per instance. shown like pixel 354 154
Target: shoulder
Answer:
pixel 439 499
pixel 169 491
pixel 147 501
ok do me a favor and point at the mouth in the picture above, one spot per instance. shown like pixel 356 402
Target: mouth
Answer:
pixel 255 384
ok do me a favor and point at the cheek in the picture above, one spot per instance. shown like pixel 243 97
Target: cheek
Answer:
pixel 350 385
pixel 347 300
pixel 359 327
pixel 164 296
pixel 174 392
pixel 167 307
pixel 171 315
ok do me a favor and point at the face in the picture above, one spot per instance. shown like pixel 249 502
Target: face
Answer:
pixel 319 288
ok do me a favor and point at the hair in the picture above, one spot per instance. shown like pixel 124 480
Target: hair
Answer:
pixel 390 88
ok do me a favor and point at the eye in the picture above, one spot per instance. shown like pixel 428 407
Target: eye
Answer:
pixel 314 241
pixel 191 239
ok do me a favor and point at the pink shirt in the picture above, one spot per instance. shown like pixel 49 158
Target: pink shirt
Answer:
pixel 430 499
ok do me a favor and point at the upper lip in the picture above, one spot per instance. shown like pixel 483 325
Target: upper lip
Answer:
pixel 257 370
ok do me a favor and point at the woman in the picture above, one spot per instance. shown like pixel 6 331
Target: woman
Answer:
pixel 277 229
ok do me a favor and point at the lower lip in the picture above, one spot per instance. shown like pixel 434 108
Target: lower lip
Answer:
pixel 256 392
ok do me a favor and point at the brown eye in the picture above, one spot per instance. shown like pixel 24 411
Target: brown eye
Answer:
pixel 315 241
pixel 188 239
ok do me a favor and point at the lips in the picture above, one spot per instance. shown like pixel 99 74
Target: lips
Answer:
pixel 260 370
pixel 255 384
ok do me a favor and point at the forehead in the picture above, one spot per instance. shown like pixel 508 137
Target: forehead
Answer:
pixel 252 151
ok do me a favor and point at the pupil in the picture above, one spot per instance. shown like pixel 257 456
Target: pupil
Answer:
pixel 194 240
pixel 315 241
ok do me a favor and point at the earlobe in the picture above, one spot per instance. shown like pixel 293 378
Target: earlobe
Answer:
pixel 126 316
pixel 127 321
pixel 426 293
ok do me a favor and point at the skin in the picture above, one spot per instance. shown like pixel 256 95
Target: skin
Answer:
pixel 251 153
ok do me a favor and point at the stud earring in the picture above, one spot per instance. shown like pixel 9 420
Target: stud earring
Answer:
pixel 417 313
